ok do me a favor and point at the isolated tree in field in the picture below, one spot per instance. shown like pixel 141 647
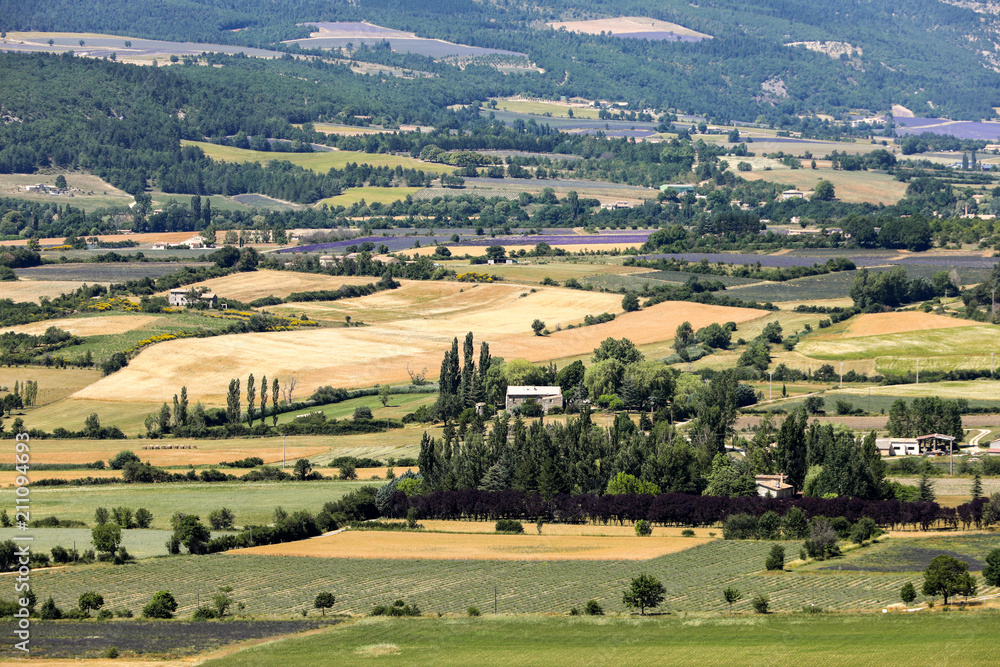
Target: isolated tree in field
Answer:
pixel 233 402
pixel 302 469
pixel 644 591
pixel 991 571
pixel 732 595
pixel 90 601
pixel 630 302
pixel 106 537
pixel 92 426
pixel 824 191
pixel 274 401
pixel 163 605
pixel 538 326
pixel 324 601
pixel 908 593
pixel 947 576
pixel 192 533
pixel 221 519
pixel 775 559
pixel 251 399
pixel 684 336
pixel 383 395
pixel 221 601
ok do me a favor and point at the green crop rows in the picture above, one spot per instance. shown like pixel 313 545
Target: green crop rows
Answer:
pixel 694 580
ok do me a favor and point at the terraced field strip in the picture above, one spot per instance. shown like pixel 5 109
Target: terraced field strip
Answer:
pixel 320 162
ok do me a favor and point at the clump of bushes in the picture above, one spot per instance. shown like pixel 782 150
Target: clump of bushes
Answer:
pixel 509 526
pixel 397 608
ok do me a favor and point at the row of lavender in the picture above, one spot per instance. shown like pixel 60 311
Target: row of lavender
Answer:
pixel 674 509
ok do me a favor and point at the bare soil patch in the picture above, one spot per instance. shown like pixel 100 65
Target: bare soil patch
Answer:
pixel 477 546
pixel 625 25
pixel 593 530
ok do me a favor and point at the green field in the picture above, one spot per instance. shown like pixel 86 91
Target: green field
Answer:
pixel 369 195
pixel 320 162
pixel 399 405
pixel 542 108
pixel 971 341
pixel 251 502
pixel 694 580
pixel 869 639
pixel 139 543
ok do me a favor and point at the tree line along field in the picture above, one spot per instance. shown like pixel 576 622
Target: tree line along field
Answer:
pixel 693 578
pixel 781 640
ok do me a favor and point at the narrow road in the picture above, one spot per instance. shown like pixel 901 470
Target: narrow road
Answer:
pixel 975 439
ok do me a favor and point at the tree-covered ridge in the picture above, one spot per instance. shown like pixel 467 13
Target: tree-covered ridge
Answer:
pixel 931 56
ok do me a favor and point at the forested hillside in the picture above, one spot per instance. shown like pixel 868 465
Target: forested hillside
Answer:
pixel 933 57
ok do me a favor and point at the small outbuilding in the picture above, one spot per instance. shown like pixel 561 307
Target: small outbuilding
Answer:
pixel 898 446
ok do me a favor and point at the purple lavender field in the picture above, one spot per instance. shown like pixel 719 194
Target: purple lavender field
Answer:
pixel 630 238
pixel 961 129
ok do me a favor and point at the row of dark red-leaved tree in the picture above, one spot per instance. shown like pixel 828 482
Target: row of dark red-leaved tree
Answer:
pixel 673 509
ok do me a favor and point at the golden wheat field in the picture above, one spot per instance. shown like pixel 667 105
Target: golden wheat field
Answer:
pixel 250 285
pixel 363 356
pixel 592 529
pixel 478 546
pixel 34 290
pixel 880 324
pixel 88 326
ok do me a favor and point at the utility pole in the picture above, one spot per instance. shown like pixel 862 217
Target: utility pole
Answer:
pixel 770 387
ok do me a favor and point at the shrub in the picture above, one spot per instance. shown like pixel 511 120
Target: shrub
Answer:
pixel 509 526
pixel 573 611
pixel 592 608
pixel 397 608
pixel 643 528
pixel 111 652
pixel 473 611
pixel 761 603
pixel 163 605
pixel 687 532
pixel 49 611
pixel 104 615
pixel 204 614
pixel 123 613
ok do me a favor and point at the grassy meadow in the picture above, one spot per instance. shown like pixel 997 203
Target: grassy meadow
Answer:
pixel 251 502
pixel 539 108
pixel 369 195
pixel 321 161
pixel 868 639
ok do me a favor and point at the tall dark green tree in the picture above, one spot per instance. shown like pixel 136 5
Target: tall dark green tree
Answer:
pixel 251 399
pixel 233 402
pixel 792 449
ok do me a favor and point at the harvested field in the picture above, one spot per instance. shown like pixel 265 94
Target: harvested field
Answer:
pixel 880 324
pixel 53 383
pixel 980 389
pixel 34 290
pixel 177 452
pixel 251 285
pixel 88 326
pixel 150 237
pixel 598 530
pixel 104 272
pixel 477 546
pixel 363 356
pixel 851 186
pixel 631 26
